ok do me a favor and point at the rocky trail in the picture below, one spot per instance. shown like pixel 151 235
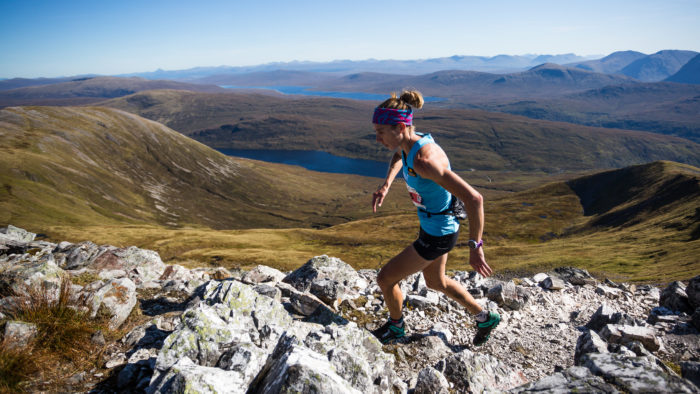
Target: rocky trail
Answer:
pixel 265 331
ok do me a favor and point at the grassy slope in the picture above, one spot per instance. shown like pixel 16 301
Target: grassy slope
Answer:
pixel 655 236
pixel 100 166
pixel 473 139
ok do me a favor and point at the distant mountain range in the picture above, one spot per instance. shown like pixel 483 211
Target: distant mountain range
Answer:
pixel 85 90
pixel 647 68
pixel 549 91
pixel 496 64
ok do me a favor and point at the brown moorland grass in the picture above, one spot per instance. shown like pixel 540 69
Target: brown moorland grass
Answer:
pixel 61 348
pixel 526 232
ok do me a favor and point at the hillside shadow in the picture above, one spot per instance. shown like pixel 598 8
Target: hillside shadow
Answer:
pixel 626 197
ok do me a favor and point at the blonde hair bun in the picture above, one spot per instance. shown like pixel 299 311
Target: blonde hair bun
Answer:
pixel 413 98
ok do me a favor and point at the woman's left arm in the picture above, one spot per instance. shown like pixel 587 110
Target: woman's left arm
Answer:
pixel 432 163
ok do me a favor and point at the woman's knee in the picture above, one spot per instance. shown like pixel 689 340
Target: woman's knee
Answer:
pixel 384 280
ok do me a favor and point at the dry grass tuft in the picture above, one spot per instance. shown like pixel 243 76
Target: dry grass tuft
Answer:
pixel 61 348
pixel 17 367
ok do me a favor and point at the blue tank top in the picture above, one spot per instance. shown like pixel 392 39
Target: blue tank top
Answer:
pixel 428 195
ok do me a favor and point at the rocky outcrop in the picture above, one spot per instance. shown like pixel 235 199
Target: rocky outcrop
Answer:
pixel 41 267
pixel 675 298
pixel 215 330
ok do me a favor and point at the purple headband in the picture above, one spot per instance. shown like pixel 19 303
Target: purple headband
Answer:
pixel 392 116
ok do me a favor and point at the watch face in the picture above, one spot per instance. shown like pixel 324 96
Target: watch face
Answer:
pixel 472 244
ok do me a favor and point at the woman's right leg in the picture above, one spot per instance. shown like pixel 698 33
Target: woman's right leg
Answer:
pixel 402 265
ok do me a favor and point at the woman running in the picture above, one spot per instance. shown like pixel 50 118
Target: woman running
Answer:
pixel 433 187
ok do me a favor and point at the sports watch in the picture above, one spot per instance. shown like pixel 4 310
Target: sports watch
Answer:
pixel 474 245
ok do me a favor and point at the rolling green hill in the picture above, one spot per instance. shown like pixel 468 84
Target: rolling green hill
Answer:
pixel 87 166
pixel 472 138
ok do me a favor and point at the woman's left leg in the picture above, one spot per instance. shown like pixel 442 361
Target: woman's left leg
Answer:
pixel 435 279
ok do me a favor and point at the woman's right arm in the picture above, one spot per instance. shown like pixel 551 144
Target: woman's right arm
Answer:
pixel 394 168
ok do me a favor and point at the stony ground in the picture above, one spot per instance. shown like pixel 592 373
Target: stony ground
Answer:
pixel 538 339
pixel 231 317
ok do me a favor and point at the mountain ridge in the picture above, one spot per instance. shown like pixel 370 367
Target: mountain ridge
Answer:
pixel 89 90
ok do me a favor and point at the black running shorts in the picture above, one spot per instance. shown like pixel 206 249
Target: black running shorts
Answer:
pixel 431 247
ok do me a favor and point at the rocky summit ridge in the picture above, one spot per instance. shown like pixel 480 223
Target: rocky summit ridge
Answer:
pixel 266 331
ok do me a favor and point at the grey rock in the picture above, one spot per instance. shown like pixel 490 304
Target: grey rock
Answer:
pixel 571 380
pixel 293 368
pixel 430 380
pixel 695 319
pixel 269 291
pixel 606 315
pixel 98 338
pixel 187 377
pixel 263 274
pixel 589 342
pixel 116 299
pixel 474 372
pixel 508 295
pixel 141 265
pixel 77 378
pixel 33 273
pixel 691 370
pixel 327 290
pixel 575 276
pixel 635 374
pixel 18 334
pixel 17 234
pixel 553 283
pixel 675 298
pixel 305 303
pixel 119 359
pixel 79 255
pixel 540 277
pixel 356 355
pixel 623 334
pixel 324 267
pixel 143 356
pixel 693 292
pixel 230 322
pixel 608 291
pixel 638 349
pixel 420 302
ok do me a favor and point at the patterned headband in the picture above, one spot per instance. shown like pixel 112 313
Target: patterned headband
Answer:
pixel 392 116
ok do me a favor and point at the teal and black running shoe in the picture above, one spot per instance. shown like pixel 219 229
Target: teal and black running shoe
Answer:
pixel 388 332
pixel 483 329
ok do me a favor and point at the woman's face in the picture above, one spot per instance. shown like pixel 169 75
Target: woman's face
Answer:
pixel 387 135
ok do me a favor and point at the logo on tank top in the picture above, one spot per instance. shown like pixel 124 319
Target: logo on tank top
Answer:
pixel 415 197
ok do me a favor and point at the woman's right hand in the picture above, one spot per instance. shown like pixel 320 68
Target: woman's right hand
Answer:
pixel 378 197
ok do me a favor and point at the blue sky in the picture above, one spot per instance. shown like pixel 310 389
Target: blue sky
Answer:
pixel 61 38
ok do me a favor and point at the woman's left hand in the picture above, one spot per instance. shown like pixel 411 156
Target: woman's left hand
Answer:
pixel 478 262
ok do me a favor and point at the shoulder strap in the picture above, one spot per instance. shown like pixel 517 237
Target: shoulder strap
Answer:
pixel 424 140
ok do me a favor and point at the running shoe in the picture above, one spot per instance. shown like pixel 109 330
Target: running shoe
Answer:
pixel 483 329
pixel 389 331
